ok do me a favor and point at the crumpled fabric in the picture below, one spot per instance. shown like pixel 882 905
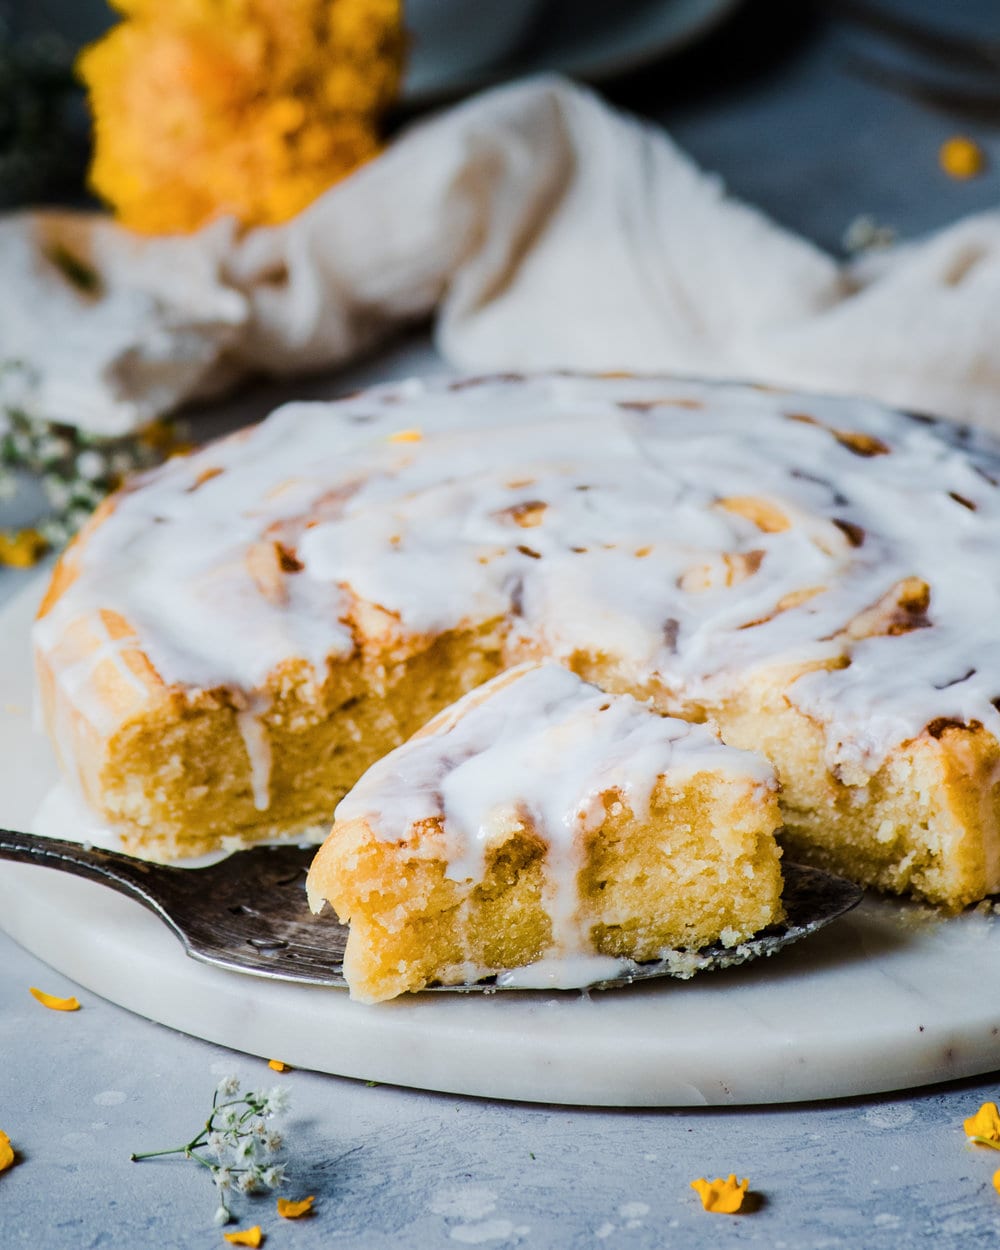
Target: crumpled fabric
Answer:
pixel 539 228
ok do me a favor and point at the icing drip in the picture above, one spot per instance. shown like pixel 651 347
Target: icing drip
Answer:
pixel 537 747
pixel 255 737
pixel 695 533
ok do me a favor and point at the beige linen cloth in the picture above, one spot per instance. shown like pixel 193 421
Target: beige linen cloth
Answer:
pixel 541 229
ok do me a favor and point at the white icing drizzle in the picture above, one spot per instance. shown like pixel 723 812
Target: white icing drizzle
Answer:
pixel 253 731
pixel 592 510
pixel 539 746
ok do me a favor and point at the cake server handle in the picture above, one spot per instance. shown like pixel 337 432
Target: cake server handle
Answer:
pixel 127 875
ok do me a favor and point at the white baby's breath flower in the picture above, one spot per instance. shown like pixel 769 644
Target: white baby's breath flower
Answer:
pixel 216 1143
pixel 57 491
pixel 276 1101
pixel 51 449
pixel 54 532
pixel 246 1151
pixel 222 1215
pixel 257 1126
pixel 229 1117
pixel 228 1086
pixel 91 465
pixel 273 1142
pixel 250 1181
pixel 223 1178
pixel 274 1176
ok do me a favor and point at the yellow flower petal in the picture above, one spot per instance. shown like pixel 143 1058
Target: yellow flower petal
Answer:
pixel 22 549
pixel 725 1196
pixel 985 1123
pixel 7 1153
pixel 996 1181
pixel 293 1210
pixel 245 1237
pixel 52 1002
pixel 277 1065
pixel 406 436
pixel 961 157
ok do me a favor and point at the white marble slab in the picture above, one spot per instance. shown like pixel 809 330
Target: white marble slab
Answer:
pixel 887 998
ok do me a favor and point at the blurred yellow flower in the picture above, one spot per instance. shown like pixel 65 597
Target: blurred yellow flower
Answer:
pixel 6 1152
pixel 961 157
pixel 22 549
pixel 204 108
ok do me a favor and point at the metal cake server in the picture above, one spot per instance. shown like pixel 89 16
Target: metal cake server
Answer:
pixel 248 913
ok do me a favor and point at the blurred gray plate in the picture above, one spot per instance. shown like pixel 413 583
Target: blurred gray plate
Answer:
pixel 591 40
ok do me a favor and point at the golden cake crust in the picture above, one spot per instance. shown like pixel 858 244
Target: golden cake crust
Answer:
pixel 797 614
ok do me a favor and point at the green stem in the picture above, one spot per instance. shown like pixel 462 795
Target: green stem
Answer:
pixel 155 1154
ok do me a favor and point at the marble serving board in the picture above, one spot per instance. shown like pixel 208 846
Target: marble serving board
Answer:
pixel 892 996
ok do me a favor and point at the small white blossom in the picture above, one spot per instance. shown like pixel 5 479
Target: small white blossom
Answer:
pixel 275 1102
pixel 274 1176
pixel 216 1144
pixel 50 449
pixel 246 1151
pixel 229 1117
pixel 228 1086
pixel 273 1142
pixel 250 1181
pixel 53 532
pixel 57 491
pixel 223 1178
pixel 222 1215
pixel 91 465
pixel 257 1126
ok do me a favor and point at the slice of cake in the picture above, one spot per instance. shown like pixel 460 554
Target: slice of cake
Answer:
pixel 539 819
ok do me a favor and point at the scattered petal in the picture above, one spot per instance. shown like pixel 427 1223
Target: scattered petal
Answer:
pixel 985 1124
pixel 289 1210
pixel 996 1182
pixel 725 1196
pixel 22 549
pixel 406 436
pixel 52 1002
pixel 7 1158
pixel 962 157
pixel 245 1237
pixel 277 1066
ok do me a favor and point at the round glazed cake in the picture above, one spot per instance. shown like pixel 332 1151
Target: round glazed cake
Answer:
pixel 237 636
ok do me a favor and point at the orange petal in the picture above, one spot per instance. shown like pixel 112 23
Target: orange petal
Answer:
pixel 277 1065
pixel 406 436
pixel 245 1237
pixel 996 1181
pixel 292 1210
pixel 725 1196
pixel 52 1002
pixel 985 1123
pixel 7 1153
